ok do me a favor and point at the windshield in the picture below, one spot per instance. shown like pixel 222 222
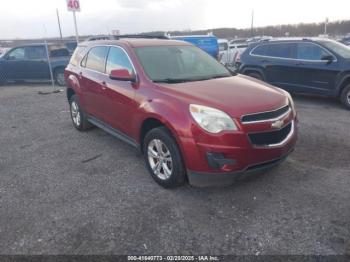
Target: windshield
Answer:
pixel 338 48
pixel 174 64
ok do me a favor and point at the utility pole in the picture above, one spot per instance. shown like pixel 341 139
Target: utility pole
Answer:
pixel 325 26
pixel 59 23
pixel 76 27
pixel 252 24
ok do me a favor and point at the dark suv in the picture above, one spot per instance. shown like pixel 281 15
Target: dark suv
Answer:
pixel 29 62
pixel 314 66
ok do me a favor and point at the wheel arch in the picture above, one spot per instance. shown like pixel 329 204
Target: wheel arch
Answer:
pixel 251 69
pixel 345 81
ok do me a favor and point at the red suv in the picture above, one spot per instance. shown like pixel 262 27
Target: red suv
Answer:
pixel 191 117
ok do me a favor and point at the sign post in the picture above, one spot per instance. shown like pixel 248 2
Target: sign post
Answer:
pixel 74 6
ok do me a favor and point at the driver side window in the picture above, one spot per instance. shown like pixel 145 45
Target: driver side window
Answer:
pixel 17 54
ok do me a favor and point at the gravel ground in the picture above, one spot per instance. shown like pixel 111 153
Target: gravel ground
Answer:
pixel 66 192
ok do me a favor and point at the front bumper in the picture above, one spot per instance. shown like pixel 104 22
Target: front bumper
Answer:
pixel 200 179
pixel 220 159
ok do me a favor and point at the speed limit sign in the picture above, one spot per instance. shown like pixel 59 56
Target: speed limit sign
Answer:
pixel 73 5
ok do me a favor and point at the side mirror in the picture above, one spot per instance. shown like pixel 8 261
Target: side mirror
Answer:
pixel 122 75
pixel 328 58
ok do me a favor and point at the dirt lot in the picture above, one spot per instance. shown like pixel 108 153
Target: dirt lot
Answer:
pixel 65 192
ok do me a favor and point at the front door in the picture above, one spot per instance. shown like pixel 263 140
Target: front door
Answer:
pixel 314 74
pixel 119 95
pixel 16 64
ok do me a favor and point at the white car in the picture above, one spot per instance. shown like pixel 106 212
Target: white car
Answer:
pixel 230 50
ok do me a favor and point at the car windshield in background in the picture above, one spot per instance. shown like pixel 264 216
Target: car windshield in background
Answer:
pixel 176 64
pixel 338 48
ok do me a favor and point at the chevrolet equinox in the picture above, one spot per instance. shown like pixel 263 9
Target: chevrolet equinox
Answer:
pixel 192 118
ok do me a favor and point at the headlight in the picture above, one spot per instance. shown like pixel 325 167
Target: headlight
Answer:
pixel 211 119
pixel 291 104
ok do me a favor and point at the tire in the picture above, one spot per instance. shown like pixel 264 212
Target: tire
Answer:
pixel 255 75
pixel 159 165
pixel 345 97
pixel 2 79
pixel 59 77
pixel 79 118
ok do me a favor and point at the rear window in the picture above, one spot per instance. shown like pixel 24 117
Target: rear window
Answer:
pixel 96 58
pixel 281 50
pixel 62 52
pixel 77 55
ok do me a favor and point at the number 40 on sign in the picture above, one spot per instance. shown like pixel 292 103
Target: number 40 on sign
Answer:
pixel 73 5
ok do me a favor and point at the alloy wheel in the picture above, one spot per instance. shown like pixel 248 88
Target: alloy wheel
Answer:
pixel 75 113
pixel 159 158
pixel 60 79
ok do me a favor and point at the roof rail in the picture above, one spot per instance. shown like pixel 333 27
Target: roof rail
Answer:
pixel 142 36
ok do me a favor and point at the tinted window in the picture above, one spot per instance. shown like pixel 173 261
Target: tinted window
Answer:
pixel 307 51
pixel 281 50
pixel 260 50
pixel 36 52
pixel 62 52
pixel 284 50
pixel 117 59
pixel 17 54
pixel 96 58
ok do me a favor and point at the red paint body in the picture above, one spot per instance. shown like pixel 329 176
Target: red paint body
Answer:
pixel 126 105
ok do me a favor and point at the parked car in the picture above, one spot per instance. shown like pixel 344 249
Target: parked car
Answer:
pixel 189 115
pixel 208 43
pixel 346 40
pixel 71 45
pixel 29 62
pixel 314 66
pixel 230 50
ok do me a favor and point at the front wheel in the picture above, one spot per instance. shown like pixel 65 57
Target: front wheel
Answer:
pixel 163 158
pixel 345 97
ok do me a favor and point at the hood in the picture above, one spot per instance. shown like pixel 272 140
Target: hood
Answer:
pixel 236 95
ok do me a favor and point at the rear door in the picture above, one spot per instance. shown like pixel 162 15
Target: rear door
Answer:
pixel 315 75
pixel 277 60
pixel 119 95
pixel 92 76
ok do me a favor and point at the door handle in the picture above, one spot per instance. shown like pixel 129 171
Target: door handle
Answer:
pixel 299 63
pixel 103 84
pixel 265 61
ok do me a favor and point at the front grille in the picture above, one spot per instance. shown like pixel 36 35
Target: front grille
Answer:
pixel 265 116
pixel 272 137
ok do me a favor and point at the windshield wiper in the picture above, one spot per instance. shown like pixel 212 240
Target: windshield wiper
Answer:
pixel 171 80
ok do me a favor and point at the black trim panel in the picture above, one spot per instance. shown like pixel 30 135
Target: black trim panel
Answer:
pixel 114 132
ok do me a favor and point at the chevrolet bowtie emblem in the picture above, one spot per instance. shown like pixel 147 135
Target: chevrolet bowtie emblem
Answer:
pixel 278 124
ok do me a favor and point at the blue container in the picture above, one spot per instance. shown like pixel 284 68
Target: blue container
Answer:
pixel 208 43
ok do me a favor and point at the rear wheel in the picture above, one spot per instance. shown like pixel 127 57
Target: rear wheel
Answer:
pixel 59 77
pixel 255 75
pixel 345 97
pixel 2 79
pixel 79 118
pixel 163 158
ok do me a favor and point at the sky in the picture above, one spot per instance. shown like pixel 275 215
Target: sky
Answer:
pixel 37 18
